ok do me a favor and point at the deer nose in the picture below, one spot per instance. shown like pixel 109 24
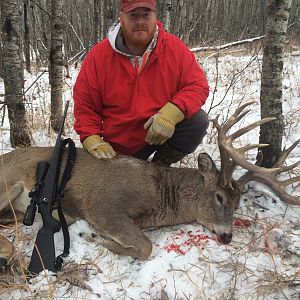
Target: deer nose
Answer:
pixel 225 238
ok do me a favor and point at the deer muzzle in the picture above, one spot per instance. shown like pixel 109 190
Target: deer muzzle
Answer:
pixel 225 238
pixel 223 233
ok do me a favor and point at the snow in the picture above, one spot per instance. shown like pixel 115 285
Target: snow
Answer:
pixel 187 262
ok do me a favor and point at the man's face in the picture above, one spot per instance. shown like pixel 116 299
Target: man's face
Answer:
pixel 138 26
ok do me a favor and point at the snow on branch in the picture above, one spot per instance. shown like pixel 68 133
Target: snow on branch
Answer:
pixel 237 43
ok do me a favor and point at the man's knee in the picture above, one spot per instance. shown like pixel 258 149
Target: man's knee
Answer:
pixel 187 136
pixel 201 123
pixel 198 121
pixel 190 132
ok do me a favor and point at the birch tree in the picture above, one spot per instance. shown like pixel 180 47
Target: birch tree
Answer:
pixel 271 79
pixel 97 23
pixel 13 71
pixel 165 13
pixel 56 62
pixel 26 36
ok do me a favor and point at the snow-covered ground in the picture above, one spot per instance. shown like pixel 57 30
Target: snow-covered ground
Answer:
pixel 261 262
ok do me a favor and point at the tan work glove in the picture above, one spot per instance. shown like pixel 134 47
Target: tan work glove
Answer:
pixel 95 145
pixel 162 125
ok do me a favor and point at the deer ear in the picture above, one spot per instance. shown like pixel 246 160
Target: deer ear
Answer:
pixel 205 163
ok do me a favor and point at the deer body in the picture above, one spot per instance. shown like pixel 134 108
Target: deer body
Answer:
pixel 120 197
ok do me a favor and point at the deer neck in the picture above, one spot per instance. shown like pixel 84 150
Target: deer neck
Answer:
pixel 177 194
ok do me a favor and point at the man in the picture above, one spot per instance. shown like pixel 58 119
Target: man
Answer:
pixel 140 91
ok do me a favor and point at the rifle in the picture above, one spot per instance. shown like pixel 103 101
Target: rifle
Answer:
pixel 46 196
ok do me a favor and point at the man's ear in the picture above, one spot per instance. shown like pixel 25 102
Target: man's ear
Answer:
pixel 121 14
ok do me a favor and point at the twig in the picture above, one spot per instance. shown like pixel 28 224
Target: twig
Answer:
pixel 34 81
pixel 229 45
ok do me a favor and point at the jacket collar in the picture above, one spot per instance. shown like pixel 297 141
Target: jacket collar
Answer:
pixel 116 40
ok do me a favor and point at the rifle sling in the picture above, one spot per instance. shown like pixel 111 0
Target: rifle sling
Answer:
pixel 65 177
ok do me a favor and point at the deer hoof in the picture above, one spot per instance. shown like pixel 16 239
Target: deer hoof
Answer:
pixel 3 264
pixel 225 238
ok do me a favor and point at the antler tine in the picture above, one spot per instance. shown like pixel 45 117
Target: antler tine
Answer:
pixel 290 181
pixel 278 187
pixel 287 168
pixel 285 153
pixel 238 156
pixel 252 146
pixel 248 128
pixel 228 164
pixel 264 175
pixel 268 176
pixel 237 116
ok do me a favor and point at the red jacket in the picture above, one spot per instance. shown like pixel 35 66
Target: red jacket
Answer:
pixel 111 99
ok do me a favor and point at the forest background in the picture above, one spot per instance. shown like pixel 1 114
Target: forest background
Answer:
pixel 196 22
pixel 234 77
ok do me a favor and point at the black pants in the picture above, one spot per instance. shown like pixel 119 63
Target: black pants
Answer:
pixel 187 136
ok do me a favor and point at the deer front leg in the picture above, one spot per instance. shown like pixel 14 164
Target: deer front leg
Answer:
pixel 7 249
pixel 7 253
pixel 125 237
pixel 119 249
pixel 7 217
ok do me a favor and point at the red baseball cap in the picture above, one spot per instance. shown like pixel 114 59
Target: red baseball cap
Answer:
pixel 128 5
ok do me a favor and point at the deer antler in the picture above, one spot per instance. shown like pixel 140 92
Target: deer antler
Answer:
pixel 231 156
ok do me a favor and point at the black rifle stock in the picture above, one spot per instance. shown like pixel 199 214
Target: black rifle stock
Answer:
pixel 44 195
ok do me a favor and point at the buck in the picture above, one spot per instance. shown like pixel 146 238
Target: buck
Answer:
pixel 121 197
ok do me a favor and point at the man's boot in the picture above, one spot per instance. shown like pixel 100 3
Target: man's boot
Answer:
pixel 167 155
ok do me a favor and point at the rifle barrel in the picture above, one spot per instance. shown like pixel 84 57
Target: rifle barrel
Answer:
pixel 62 122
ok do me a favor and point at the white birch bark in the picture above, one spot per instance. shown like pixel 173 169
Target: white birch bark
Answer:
pixel 56 62
pixel 13 72
pixel 166 13
pixel 271 79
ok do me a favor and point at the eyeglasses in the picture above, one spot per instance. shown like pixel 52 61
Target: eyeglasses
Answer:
pixel 147 15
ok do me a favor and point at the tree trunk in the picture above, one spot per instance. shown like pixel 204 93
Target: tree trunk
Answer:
pixel 165 8
pixel 97 33
pixel 271 79
pixel 34 36
pixel 1 55
pixel 26 37
pixel 56 62
pixel 13 72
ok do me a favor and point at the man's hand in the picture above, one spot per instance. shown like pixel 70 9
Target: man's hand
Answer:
pixel 95 145
pixel 162 125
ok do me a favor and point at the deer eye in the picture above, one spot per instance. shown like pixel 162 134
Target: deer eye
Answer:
pixel 220 199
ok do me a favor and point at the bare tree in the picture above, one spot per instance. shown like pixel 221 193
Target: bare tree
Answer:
pixel 13 72
pixel 97 23
pixel 56 62
pixel 165 13
pixel 197 22
pixel 271 81
pixel 26 36
pixel 1 43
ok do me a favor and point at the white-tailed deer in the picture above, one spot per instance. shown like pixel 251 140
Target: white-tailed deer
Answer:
pixel 122 196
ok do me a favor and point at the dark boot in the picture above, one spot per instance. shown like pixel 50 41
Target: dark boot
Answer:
pixel 167 155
